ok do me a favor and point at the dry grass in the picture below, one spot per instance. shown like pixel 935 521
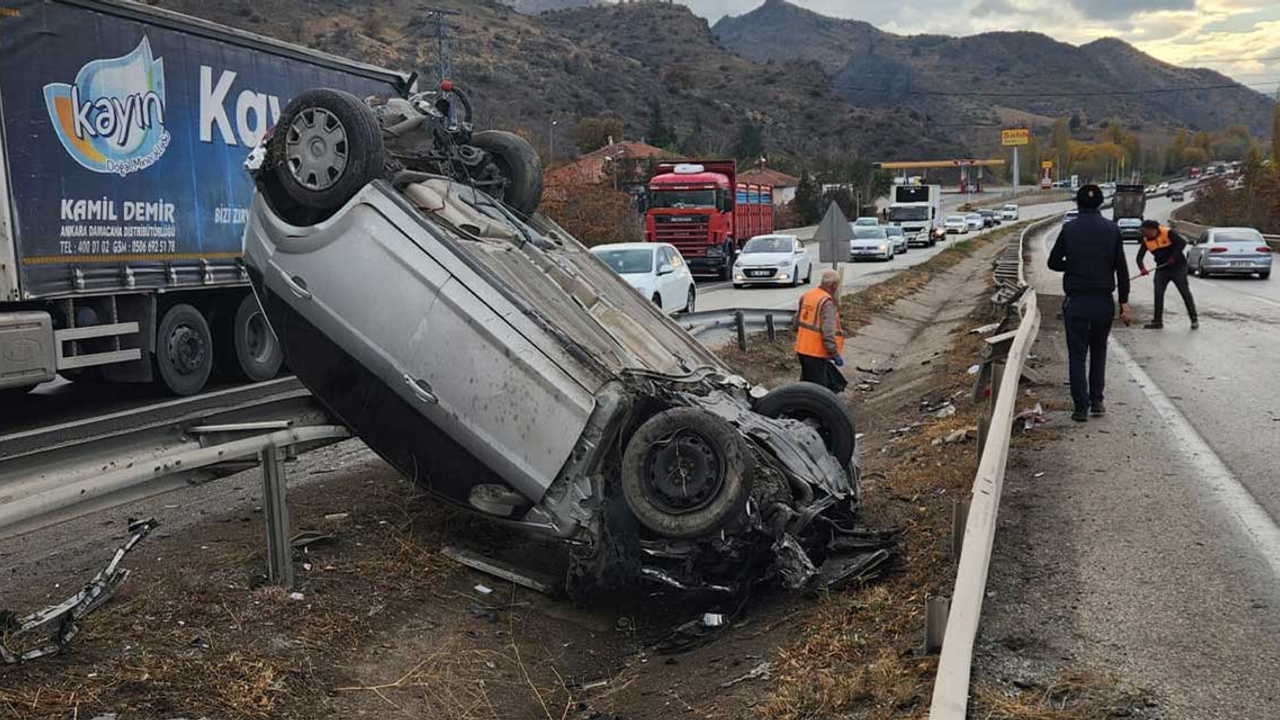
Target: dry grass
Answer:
pixel 1078 696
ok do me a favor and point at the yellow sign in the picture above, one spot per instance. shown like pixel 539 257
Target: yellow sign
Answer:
pixel 1020 136
pixel 1046 164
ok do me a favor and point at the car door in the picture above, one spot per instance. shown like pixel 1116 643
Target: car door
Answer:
pixel 670 285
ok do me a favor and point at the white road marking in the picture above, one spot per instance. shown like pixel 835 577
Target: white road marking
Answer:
pixel 1252 519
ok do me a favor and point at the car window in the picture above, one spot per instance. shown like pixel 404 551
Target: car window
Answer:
pixel 1129 222
pixel 674 258
pixel 768 245
pixel 1237 236
pixel 869 233
pixel 631 261
pixel 955 218
pixel 893 230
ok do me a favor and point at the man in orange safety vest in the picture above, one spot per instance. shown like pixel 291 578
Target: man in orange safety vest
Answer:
pixel 819 336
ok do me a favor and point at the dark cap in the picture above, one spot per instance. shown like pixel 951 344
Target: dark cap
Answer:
pixel 1089 197
pixel 1151 224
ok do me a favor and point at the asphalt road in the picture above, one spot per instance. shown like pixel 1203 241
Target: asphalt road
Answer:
pixel 1152 533
pixel 857 276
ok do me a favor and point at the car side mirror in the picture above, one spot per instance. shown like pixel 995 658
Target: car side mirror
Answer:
pixel 666 270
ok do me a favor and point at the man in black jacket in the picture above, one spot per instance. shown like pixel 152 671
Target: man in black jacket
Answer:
pixel 1090 254
pixel 1169 250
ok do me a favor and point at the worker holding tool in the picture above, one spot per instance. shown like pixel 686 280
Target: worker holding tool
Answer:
pixel 819 335
pixel 1090 254
pixel 1168 248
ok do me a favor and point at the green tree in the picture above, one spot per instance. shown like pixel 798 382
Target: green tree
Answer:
pixel 660 134
pixel 1194 156
pixel 749 144
pixel 809 199
pixel 1275 134
pixel 593 133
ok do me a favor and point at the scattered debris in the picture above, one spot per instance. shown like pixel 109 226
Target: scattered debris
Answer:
pixel 62 618
pixel 334 517
pixel 593 685
pixel 523 577
pixel 483 589
pixel 958 436
pixel 985 329
pixel 1030 418
pixel 1039 475
pixel 899 432
pixel 310 537
pixel 759 672
pixel 973 369
pixel 297 596
pixel 946 411
pixel 714 619
pixel 875 371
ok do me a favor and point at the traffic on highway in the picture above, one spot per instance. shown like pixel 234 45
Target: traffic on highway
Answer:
pixel 333 380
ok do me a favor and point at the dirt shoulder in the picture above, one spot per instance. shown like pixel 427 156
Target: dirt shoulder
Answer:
pixel 383 623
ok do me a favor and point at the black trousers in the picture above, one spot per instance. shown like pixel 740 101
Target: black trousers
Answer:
pixel 823 372
pixel 1088 321
pixel 1178 276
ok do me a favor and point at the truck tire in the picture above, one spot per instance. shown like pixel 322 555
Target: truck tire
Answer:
pixel 710 460
pixel 726 272
pixel 814 405
pixel 518 162
pixel 247 346
pixel 327 145
pixel 184 350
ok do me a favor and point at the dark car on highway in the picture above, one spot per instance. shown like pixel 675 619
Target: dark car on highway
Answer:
pixel 1130 229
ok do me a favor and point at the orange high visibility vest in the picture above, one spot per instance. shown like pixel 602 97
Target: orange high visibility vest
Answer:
pixel 1160 241
pixel 809 325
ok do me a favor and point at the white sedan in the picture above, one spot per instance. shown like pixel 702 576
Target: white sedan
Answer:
pixel 956 224
pixel 656 270
pixel 773 259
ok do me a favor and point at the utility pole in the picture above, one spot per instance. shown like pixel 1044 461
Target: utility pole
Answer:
pixel 436 17
pixel 551 140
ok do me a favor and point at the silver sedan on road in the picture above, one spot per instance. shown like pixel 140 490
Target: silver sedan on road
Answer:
pixel 1230 251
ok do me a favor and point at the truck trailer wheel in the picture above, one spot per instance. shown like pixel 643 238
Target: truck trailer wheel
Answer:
pixel 184 350
pixel 326 147
pixel 247 347
pixel 685 473
pixel 516 161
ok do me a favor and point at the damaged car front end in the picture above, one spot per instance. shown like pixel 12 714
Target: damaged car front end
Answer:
pixel 494 361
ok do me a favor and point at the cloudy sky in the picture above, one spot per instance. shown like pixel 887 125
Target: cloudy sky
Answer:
pixel 1240 38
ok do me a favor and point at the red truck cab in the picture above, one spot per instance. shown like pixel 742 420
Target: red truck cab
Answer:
pixel 701 209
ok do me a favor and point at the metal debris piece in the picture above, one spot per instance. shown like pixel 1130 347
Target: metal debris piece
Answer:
pixel 945 411
pixel 985 329
pixel 521 576
pixel 308 538
pixel 714 619
pixel 793 562
pixel 61 618
pixel 1030 418
pixel 759 672
pixel 842 570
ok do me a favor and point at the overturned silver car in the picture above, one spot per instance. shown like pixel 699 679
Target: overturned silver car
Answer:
pixel 503 368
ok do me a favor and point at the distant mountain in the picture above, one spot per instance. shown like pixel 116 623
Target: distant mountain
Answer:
pixel 527 71
pixel 533 7
pixel 994 78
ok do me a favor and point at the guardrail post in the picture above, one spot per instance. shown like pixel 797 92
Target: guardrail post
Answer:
pixel 276 509
pixel 959 518
pixel 740 321
pixel 936 610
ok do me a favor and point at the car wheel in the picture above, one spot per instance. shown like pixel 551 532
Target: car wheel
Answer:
pixel 690 303
pixel 808 276
pixel 327 146
pixel 685 473
pixel 184 350
pixel 518 163
pixel 738 286
pixel 657 300
pixel 1264 275
pixel 249 348
pixel 817 406
pixel 795 275
pixel 1200 270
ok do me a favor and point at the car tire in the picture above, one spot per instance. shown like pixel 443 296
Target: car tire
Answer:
pixel 327 147
pixel 1265 275
pixel 657 300
pixel 738 286
pixel 1201 271
pixel 808 276
pixel 814 404
pixel 691 300
pixel 516 161
pixel 248 346
pixel 184 350
pixel 795 276
pixel 712 457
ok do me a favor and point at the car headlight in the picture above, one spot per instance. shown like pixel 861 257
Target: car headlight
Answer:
pixel 884 248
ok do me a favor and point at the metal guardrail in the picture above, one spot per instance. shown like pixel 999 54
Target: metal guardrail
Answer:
pixel 699 323
pixel 58 473
pixel 951 686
